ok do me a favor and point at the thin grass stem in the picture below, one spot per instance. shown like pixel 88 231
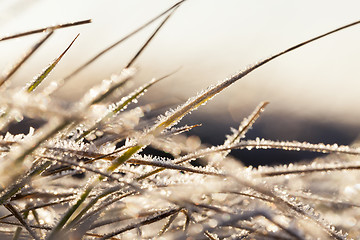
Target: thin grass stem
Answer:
pixel 65 25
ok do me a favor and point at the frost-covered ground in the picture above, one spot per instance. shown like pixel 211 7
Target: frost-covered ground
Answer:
pixel 84 173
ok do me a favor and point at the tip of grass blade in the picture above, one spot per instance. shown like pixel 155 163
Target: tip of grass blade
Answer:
pixel 36 82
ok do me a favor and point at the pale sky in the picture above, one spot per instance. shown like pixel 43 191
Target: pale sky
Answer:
pixel 210 40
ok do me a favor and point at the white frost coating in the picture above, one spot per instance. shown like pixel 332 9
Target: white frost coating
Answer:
pixel 208 202
pixel 166 163
pixel 190 105
pixel 245 125
pixel 310 212
pixel 296 146
pixel 134 95
pixel 105 85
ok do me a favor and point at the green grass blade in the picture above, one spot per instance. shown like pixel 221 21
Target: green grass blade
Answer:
pixel 40 30
pixel 8 73
pixel 54 234
pixel 124 157
pixel 36 82
pixel 77 219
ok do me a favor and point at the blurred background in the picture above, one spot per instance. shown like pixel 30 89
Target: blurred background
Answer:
pixel 313 91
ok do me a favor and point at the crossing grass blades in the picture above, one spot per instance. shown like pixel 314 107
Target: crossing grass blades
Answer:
pixel 126 194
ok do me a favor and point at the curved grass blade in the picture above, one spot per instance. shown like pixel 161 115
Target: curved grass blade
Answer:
pixel 121 40
pixel 8 73
pixel 203 97
pixel 36 82
pixel 71 24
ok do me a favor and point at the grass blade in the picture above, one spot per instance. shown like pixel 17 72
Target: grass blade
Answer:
pixel 310 169
pixel 122 104
pixel 296 146
pixel 71 24
pixel 36 82
pixel 169 165
pixel 150 38
pixel 246 124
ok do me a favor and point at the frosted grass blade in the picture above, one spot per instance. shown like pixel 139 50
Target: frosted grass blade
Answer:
pixel 169 165
pixel 295 146
pixel 246 124
pixel 304 169
pixel 36 82
pixel 122 104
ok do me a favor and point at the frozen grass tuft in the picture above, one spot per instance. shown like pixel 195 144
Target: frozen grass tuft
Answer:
pixel 84 175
